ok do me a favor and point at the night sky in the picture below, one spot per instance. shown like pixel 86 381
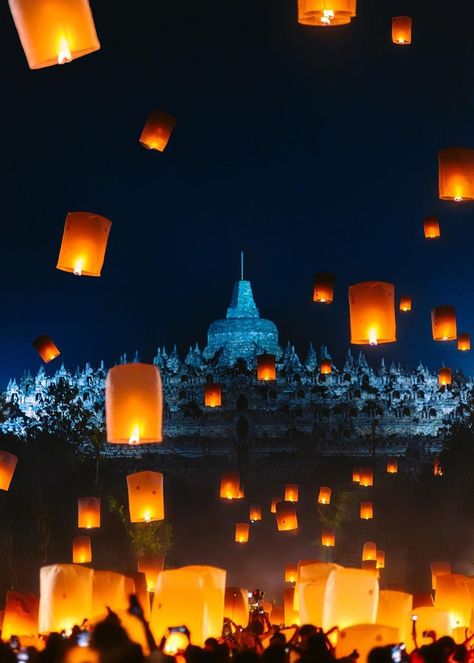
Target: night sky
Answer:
pixel 311 149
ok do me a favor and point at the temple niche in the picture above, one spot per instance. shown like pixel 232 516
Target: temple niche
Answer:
pixel 354 410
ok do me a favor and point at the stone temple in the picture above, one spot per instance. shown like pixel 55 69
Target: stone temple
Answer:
pixel 356 410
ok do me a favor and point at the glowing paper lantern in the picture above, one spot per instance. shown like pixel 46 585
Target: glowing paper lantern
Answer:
pixel 380 559
pixel 456 174
pixel 65 596
pixel 84 243
pixel 405 304
pixel 54 31
pixel 443 323
pixel 437 468
pixel 366 511
pixel 394 610
pixel 351 597
pixel 255 513
pixel 371 565
pixel 324 496
pixel 236 605
pixel 213 395
pixel 242 531
pixel 266 369
pixel 325 367
pixel 286 516
pixel 323 290
pixel 291 615
pixel 369 551
pixel 366 477
pixel 372 313
pixel 356 475
pixel 191 595
pixel 364 637
pixel 278 615
pixel 157 130
pixel 291 572
pixel 145 497
pixel 291 492
pixel 8 463
pixel 401 30
pixel 109 589
pixel 328 537
pixel 133 404
pixel 438 569
pixel 151 566
pixel 454 596
pixel 464 342
pixel 81 550
pixel 431 228
pixel 230 486
pixel 310 590
pixel 325 13
pixel 444 376
pixel 273 507
pixel 431 619
pixel 392 466
pixel 88 512
pixel 46 348
pixel 141 590
pixel 21 615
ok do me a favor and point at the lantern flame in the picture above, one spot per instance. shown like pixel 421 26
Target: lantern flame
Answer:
pixel 372 337
pixel 78 267
pixel 64 54
pixel 328 15
pixel 147 516
pixel 458 199
pixel 135 436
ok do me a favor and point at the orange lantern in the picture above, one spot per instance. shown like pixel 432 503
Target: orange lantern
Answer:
pixel 401 30
pixel 21 615
pixel 369 551
pixel 437 468
pixel 65 596
pixel 54 31
pixel 230 486
pixel 242 531
pixel 431 228
pixel 291 573
pixel 286 516
pixel 213 395
pixel 291 492
pixel 323 291
pixel 356 475
pixel 88 512
pixel 366 511
pixel 324 496
pixel 8 463
pixel 110 590
pixel 392 466
pixel 405 304
pixel 370 565
pixel 151 566
pixel 255 513
pixel 81 550
pixel 145 497
pixel 366 477
pixel 273 507
pixel 380 559
pixel 326 13
pixel 456 174
pixel 444 377
pixel 133 404
pixel 236 605
pixel 438 569
pixel 157 130
pixel 372 313
pixel 325 367
pixel 464 342
pixel 328 538
pixel 46 348
pixel 266 369
pixel 291 613
pixel 443 323
pixel 84 243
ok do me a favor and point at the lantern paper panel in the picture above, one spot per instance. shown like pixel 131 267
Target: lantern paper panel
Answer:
pixel 406 304
pixel 324 496
pixel 65 596
pixel 88 512
pixel 145 497
pixel 429 618
pixel 444 377
pixel 356 475
pixel 328 537
pixel 351 597
pixel 310 590
pixel 21 615
pixel 372 313
pixel 380 559
pixel 242 531
pixel 84 243
pixel 255 513
pixel 133 404
pixel 141 590
pixel 278 615
pixel 364 638
pixel 286 516
pixel 46 348
pixel 392 466
pixel 81 550
pixel 366 511
pixel 291 572
pixel 437 569
pixel 394 610
pixel 157 130
pixel 464 342
pixel 8 464
pixel 274 503
pixel 366 477
pixel 323 290
pixel 109 590
pixel 236 605
pixel 326 13
pixel 401 30
pixel 369 551
pixel 453 595
pixel 213 395
pixel 291 492
pixel 325 367
pixel 443 323
pixel 291 614
pixel 370 565
pixel 230 486
pixel 151 566
pixel 431 228
pixel 266 369
pixel 456 174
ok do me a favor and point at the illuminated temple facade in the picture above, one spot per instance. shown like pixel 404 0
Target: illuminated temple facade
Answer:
pixel 356 410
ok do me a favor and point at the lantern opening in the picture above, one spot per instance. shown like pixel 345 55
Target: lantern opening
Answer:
pixel 135 436
pixel 64 55
pixel 372 337
pixel 78 267
pixel 327 17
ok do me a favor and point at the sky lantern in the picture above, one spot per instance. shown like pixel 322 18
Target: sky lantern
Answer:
pixel 325 366
pixel 88 512
pixel 65 596
pixel 110 590
pixel 291 572
pixel 444 377
pixel 394 609
pixel 286 516
pixel 21 615
pixel 405 304
pixel 326 13
pixel 46 348
pixel 151 566
pixel 145 497
pixel 369 551
pixel 401 30
pixel 350 597
pixel 255 513
pixel 372 313
pixel 242 531
pixel 431 228
pixel 8 463
pixel 392 466
pixel 54 31
pixel 213 395
pixel 266 369
pixel 366 477
pixel 328 537
pixel 366 511
pixel 323 290
pixel 236 605
pixel 464 342
pixel 456 174
pixel 443 323
pixel 380 559
pixel 437 468
pixel 291 492
pixel 356 475
pixel 133 404
pixel 230 486
pixel 291 614
pixel 157 130
pixel 324 496
pixel 81 550
pixel 274 502
pixel 84 243
pixel 437 569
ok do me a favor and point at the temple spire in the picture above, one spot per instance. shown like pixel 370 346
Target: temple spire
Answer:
pixel 241 265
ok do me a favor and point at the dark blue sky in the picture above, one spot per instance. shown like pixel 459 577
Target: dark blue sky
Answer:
pixel 313 150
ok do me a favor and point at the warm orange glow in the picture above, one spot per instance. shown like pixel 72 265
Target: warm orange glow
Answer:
pixel 326 13
pixel 176 642
pixel 273 507
pixel 145 497
pixel 286 516
pixel 291 573
pixel 444 377
pixel 133 404
pixel 236 605
pixel 291 614
pixel 380 559
pixel 356 475
pixel 453 594
pixel 324 496
pixel 84 243
pixel 291 492
pixel 266 369
pixel 372 313
pixel 456 174
pixel 255 513
pixel 443 323
pixel 65 596
pixel 437 569
pixel 437 468
pixel 46 349
pixel 464 342
pixel 21 615
pixel 323 290
pixel 431 228
pixel 369 551
pixel 366 477
pixel 328 538
pixel 54 31
pixel 213 395
pixel 392 466
pixel 88 512
pixel 242 531
pixel 366 511
pixel 405 304
pixel 401 30
pixel 8 463
pixel 230 486
pixel 81 550
pixel 151 566
pixel 370 565
pixel 325 366
pixel 157 130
